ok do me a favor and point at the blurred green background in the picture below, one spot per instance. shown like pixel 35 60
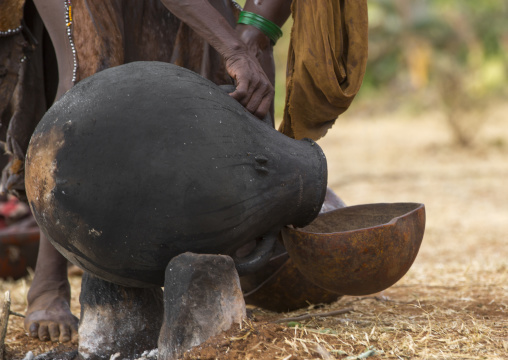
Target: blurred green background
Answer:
pixel 450 55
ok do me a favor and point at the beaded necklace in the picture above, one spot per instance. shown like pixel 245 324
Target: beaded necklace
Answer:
pixel 68 24
pixel 11 31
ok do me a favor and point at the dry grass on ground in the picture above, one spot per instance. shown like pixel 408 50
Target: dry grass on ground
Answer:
pixel 453 303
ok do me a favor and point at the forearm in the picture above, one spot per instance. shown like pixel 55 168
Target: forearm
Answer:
pixel 53 14
pixel 277 11
pixel 242 55
pixel 207 22
pixel 258 43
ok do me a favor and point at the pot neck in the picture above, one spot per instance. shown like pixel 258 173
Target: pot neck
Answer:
pixel 312 186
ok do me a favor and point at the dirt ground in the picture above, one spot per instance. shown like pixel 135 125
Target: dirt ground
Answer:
pixel 452 304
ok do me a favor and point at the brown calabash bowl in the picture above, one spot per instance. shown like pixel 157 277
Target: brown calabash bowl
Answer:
pixel 358 250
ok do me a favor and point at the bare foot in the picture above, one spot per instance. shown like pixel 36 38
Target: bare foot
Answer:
pixel 48 316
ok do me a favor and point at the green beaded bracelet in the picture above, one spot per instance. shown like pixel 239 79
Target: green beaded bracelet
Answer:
pixel 269 28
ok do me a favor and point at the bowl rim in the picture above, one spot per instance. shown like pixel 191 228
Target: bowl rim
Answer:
pixel 392 222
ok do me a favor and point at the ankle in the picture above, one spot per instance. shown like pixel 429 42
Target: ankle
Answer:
pixel 61 288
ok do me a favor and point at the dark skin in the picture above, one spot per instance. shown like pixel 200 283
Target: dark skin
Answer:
pixel 240 48
pixel 249 60
pixel 258 44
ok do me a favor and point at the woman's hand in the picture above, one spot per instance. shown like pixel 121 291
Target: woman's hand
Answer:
pixel 258 44
pixel 254 89
pixel 260 47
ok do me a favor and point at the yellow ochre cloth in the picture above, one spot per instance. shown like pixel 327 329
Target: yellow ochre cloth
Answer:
pixel 326 63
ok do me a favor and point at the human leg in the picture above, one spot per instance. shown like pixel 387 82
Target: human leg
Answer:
pixel 48 316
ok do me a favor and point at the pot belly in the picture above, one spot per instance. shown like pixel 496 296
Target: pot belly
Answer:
pixel 138 164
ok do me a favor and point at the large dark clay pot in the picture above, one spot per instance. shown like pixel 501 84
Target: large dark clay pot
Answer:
pixel 145 161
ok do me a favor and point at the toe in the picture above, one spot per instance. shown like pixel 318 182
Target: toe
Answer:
pixel 74 335
pixel 54 331
pixel 65 333
pixel 75 338
pixel 34 330
pixel 43 333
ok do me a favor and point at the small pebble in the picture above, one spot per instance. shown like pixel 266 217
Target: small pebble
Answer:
pixel 29 356
pixel 149 355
